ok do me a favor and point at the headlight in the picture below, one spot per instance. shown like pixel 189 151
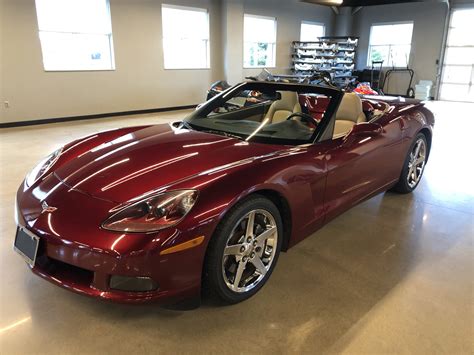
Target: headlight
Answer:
pixel 42 167
pixel 153 213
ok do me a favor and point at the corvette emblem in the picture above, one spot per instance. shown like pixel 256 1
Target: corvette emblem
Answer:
pixel 47 208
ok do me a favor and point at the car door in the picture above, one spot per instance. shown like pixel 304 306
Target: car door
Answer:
pixel 359 165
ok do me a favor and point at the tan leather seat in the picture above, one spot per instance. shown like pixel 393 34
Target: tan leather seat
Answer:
pixel 281 109
pixel 348 114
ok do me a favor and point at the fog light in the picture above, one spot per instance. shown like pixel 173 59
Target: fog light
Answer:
pixel 134 284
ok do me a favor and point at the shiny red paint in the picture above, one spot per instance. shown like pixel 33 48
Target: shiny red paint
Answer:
pixel 313 184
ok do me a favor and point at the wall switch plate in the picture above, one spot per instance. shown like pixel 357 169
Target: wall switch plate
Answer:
pixel 7 104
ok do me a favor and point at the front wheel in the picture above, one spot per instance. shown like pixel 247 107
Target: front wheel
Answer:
pixel 244 250
pixel 414 166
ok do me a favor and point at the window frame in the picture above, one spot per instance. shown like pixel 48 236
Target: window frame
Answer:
pixel 314 23
pixel 208 44
pixel 110 40
pixel 274 19
pixel 390 45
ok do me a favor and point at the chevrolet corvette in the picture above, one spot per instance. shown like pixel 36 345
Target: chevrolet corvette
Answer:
pixel 205 205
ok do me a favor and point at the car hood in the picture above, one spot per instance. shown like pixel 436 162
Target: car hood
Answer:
pixel 153 158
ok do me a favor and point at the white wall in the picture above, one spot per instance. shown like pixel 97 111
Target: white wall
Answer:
pixel 139 81
pixel 426 41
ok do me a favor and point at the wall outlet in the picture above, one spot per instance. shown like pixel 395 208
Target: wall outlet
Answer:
pixel 7 104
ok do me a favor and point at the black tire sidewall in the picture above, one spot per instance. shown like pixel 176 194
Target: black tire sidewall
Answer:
pixel 215 281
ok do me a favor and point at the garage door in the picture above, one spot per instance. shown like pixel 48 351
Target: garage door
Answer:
pixel 457 80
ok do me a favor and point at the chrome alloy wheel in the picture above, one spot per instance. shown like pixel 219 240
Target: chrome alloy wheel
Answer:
pixel 250 251
pixel 416 164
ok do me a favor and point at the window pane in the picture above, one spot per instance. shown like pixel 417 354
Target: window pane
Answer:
pixel 185 37
pixel 75 34
pixel 73 51
pixel 391 34
pixel 259 41
pixel 453 92
pixel 457 74
pixel 259 29
pixel 378 53
pixel 460 55
pixel 399 55
pixel 460 37
pixel 259 54
pixel 379 35
pixel 390 43
pixel 80 16
pixel 179 23
pixel 463 19
pixel 185 53
pixel 311 32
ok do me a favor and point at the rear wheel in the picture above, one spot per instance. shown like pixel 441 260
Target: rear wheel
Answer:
pixel 244 250
pixel 414 166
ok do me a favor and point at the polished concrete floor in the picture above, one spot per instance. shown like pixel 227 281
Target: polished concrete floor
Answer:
pixel 393 275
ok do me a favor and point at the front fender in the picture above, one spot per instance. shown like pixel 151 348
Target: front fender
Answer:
pixel 291 177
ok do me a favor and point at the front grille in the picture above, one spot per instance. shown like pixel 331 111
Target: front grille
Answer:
pixel 64 271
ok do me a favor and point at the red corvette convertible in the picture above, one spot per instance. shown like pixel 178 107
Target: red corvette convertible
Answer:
pixel 163 212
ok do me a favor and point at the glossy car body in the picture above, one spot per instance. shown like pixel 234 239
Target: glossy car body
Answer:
pixel 309 183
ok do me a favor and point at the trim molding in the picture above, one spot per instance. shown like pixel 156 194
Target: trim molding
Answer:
pixel 88 117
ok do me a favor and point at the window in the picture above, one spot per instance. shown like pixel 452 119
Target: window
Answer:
pixel 185 37
pixel 390 43
pixel 311 31
pixel 259 41
pixel 75 34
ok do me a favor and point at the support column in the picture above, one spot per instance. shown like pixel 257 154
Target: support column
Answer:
pixel 344 22
pixel 232 40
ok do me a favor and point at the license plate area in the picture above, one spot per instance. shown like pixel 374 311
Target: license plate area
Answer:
pixel 26 244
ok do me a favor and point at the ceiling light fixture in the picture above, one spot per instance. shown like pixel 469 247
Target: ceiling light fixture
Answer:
pixel 325 2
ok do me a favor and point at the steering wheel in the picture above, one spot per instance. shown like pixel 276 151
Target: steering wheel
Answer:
pixel 304 117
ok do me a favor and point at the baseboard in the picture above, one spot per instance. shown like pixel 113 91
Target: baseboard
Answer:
pixel 88 117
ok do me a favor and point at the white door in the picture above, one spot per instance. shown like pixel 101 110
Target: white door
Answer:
pixel 457 80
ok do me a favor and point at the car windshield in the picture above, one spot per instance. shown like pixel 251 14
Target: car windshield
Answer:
pixel 266 112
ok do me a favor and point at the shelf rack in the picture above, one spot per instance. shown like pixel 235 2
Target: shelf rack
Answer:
pixel 332 54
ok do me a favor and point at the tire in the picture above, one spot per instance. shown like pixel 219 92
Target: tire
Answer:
pixel 238 252
pixel 407 181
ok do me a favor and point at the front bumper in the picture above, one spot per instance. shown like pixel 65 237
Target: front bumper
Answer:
pixel 83 281
pixel 76 254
